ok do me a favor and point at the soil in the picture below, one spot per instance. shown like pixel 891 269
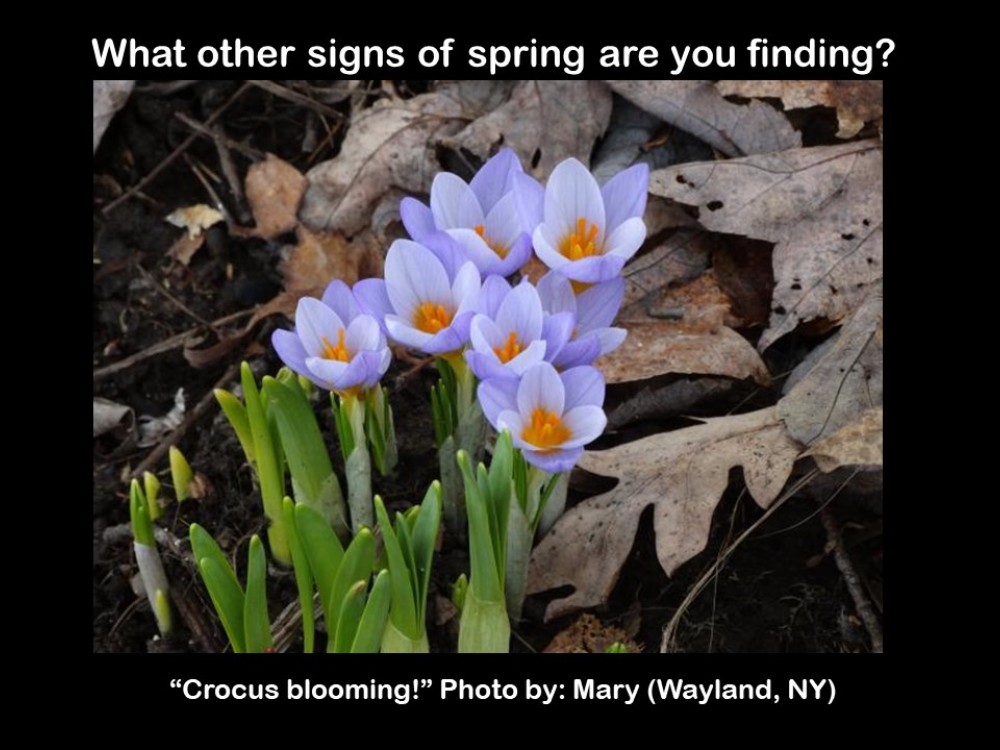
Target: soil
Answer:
pixel 780 591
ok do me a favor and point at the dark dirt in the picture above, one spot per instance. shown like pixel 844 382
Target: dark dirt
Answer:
pixel 779 591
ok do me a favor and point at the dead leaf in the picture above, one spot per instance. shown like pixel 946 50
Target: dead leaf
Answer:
pixel 109 416
pixel 682 329
pixel 543 121
pixel 823 208
pixel 846 381
pixel 698 108
pixel 683 475
pixel 320 257
pixel 389 145
pixel 742 268
pixel 856 444
pixel 109 97
pixel 856 102
pixel 588 635
pixel 274 190
pixel 153 429
pixel 681 257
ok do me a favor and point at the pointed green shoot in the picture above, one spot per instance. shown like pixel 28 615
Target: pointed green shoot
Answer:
pixel 142 526
pixel 357 564
pixel 180 473
pixel 324 553
pixel 236 413
pixel 223 587
pixel 161 608
pixel 256 622
pixel 269 471
pixel 373 620
pixel 151 485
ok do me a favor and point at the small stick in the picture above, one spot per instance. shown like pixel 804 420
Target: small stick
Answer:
pixel 861 601
pixel 169 159
pixel 157 454
pixel 198 170
pixel 295 97
pixel 174 342
pixel 216 135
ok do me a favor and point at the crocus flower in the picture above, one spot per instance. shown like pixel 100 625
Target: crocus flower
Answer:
pixel 512 332
pixel 550 416
pixel 593 309
pixel 483 216
pixel 588 233
pixel 334 345
pixel 423 303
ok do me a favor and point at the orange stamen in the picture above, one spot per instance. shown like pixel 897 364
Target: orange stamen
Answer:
pixel 581 243
pixel 494 246
pixel 510 349
pixel 338 352
pixel 431 318
pixel 546 430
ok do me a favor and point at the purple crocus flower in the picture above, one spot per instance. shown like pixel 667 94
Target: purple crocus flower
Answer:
pixel 483 216
pixel 550 416
pixel 512 331
pixel 593 309
pixel 588 232
pixel 334 344
pixel 423 303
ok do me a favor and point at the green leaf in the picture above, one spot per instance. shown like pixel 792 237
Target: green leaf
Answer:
pixel 269 473
pixel 180 473
pixel 256 623
pixel 151 487
pixel 372 624
pixel 357 564
pixel 142 527
pixel 302 444
pixel 424 540
pixel 324 552
pixel 161 608
pixel 403 614
pixel 485 627
pixel 223 587
pixel 303 576
pixel 351 610
pixel 342 419
pixel 236 413
pixel 482 561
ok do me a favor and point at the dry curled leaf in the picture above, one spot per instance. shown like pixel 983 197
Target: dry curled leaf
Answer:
pixel 679 327
pixel 823 208
pixel 543 121
pixel 195 219
pixel 274 190
pixel 856 444
pixel 683 475
pixel 109 416
pixel 698 108
pixel 856 102
pixel 844 383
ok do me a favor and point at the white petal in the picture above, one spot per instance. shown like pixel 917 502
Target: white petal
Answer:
pixel 503 223
pixel 626 239
pixel 314 321
pixel 540 388
pixel 585 424
pixel 453 203
pixel 414 275
pixel 521 313
pixel 571 194
pixel 546 250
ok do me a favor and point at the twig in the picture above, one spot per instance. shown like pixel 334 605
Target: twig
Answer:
pixel 169 159
pixel 667 641
pixel 198 170
pixel 857 590
pixel 249 151
pixel 202 407
pixel 295 97
pixel 174 342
